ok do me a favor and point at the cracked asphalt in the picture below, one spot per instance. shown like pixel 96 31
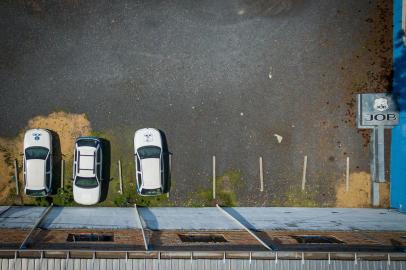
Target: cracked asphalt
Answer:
pixel 218 77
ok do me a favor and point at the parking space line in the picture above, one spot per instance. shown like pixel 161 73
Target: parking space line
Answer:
pixel 16 175
pixel 304 172
pixel 120 176
pixel 261 174
pixel 170 170
pixel 347 175
pixel 62 172
pixel 214 177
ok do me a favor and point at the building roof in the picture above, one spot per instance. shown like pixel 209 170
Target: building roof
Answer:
pixel 207 218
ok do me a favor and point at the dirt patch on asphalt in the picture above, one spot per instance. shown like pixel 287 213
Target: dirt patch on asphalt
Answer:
pixel 6 173
pixel 359 192
pixel 66 127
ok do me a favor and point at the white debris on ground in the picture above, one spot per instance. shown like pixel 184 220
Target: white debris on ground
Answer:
pixel 270 73
pixel 278 137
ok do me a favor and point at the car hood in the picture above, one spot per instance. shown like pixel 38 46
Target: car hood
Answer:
pixel 37 137
pixel 86 196
pixel 147 137
pixel 35 174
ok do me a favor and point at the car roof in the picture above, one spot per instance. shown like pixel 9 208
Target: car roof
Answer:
pixel 86 161
pixel 151 173
pixel 35 174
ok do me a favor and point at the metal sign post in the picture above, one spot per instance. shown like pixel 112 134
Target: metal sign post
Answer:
pixel 377 112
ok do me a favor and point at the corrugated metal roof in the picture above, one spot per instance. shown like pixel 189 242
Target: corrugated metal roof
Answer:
pixel 20 217
pixel 274 218
pixel 185 264
pixel 188 218
pixel 341 219
pixel 208 218
pixel 90 218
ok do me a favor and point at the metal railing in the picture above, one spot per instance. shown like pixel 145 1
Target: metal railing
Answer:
pixel 194 255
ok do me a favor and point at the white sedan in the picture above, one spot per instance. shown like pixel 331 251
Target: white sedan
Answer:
pixel 37 163
pixel 87 170
pixel 149 162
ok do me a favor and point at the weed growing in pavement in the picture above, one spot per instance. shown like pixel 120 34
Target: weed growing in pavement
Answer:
pixel 296 197
pixel 227 186
pixel 43 201
pixel 64 196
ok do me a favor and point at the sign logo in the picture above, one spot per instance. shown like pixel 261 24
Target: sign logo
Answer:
pixel 381 104
pixel 377 109
pixel 148 137
pixel 36 136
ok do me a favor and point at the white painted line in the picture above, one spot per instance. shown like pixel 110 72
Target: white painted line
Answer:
pixel 62 172
pixel 170 162
pixel 120 176
pixel 16 176
pixel 261 174
pixel 347 175
pixel 304 173
pixel 214 177
pixel 170 170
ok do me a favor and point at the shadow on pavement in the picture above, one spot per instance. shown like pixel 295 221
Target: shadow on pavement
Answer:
pixel 106 150
pixel 167 163
pixel 56 162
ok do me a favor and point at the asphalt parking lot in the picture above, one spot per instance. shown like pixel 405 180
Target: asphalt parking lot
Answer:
pixel 217 77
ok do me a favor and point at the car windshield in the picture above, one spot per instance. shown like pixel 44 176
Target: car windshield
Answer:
pixel 86 142
pixel 86 182
pixel 149 152
pixel 156 191
pixel 36 153
pixel 36 193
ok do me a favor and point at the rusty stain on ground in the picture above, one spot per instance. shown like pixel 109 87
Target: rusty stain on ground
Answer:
pixel 66 126
pixel 359 192
pixel 376 76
